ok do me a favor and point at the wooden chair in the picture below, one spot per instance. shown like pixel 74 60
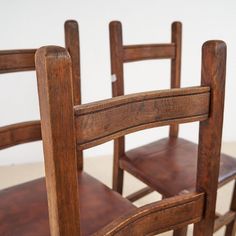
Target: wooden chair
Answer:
pixel 149 163
pixel 23 208
pixel 77 206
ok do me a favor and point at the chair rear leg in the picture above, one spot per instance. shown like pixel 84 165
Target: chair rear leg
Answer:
pixel 118 177
pixel 231 227
pixel 181 232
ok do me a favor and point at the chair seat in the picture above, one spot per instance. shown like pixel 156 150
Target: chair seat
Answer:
pixel 24 211
pixel 169 165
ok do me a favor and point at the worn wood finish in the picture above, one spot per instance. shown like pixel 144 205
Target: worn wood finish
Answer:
pixel 213 75
pixel 16 204
pixel 60 127
pixel 153 218
pixel 29 131
pixel 132 162
pixel 147 52
pixel 116 54
pixel 72 46
pixel 102 121
pixel 59 149
pixel 17 60
pixel 121 54
pixel 24 132
pixel 150 162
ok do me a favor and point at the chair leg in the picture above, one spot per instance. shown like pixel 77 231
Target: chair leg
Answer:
pixel 181 232
pixel 231 227
pixel 118 177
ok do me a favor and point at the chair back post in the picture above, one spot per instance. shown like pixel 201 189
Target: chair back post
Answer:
pixel 54 77
pixel 117 72
pixel 210 131
pixel 72 43
pixel 176 38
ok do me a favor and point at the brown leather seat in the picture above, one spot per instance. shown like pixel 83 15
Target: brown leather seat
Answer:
pixel 24 210
pixel 170 165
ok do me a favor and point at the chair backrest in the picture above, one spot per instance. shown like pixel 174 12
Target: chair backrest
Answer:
pixel 67 129
pixel 121 54
pixel 23 60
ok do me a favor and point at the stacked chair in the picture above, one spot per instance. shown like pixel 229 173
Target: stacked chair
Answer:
pixel 169 165
pixel 23 208
pixel 67 129
pixel 73 203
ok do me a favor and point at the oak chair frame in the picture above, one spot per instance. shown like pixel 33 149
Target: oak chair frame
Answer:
pixel 67 129
pixel 122 54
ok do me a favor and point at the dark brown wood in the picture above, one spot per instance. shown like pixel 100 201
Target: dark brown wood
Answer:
pixel 181 231
pixel 116 46
pixel 213 75
pixel 139 194
pixel 59 149
pixel 179 156
pixel 29 131
pixel 153 218
pixel 148 52
pixel 72 46
pixel 132 161
pixel 20 133
pixel 126 53
pixel 176 38
pixel 103 121
pixel 25 212
pixel 17 60
pixel 61 124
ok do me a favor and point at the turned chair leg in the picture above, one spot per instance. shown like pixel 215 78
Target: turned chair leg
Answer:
pixel 231 227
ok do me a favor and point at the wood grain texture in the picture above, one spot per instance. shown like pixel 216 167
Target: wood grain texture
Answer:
pixel 73 47
pixel 154 218
pixel 54 76
pixel 148 52
pixel 18 219
pixel 103 121
pixel 210 131
pixel 116 54
pixel 17 60
pixel 24 132
pixel 61 122
pixel 10 135
pixel 121 54
pixel 177 155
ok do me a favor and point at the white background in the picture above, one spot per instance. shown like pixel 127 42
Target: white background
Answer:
pixel 31 24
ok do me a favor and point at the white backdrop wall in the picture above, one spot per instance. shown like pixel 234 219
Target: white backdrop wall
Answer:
pixel 31 24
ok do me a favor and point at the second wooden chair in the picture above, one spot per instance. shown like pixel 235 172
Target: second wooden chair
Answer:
pixel 77 205
pixel 169 165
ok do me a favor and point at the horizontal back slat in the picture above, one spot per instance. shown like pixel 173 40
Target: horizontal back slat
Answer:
pixel 147 52
pixel 17 60
pixel 155 217
pixel 105 120
pixel 20 133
